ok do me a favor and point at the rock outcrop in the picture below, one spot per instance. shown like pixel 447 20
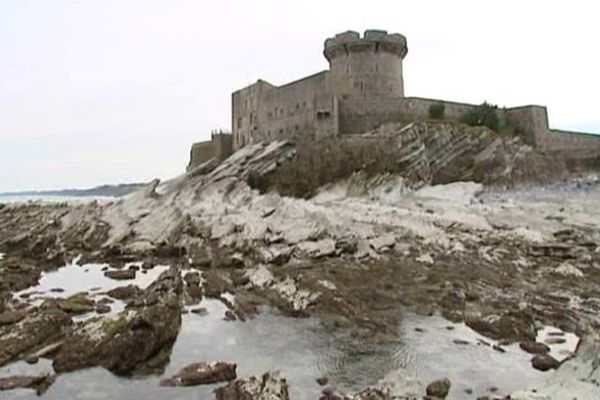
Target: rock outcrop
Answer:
pixel 136 340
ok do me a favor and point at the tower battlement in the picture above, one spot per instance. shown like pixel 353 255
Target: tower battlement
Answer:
pixel 372 41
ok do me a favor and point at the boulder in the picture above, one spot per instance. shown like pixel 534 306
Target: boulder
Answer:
pixel 202 373
pixel 122 274
pixel 544 362
pixel 438 388
pixel 271 386
pixel 124 292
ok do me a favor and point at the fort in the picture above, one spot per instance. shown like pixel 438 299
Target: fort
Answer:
pixel 362 90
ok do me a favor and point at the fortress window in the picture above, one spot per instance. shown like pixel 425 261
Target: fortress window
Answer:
pixel 239 122
pixel 246 103
pixel 303 104
pixel 296 128
pixel 297 106
pixel 322 114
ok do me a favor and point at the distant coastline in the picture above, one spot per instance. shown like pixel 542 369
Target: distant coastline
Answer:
pixel 98 191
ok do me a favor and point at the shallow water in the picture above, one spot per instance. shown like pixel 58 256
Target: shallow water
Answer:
pixel 302 349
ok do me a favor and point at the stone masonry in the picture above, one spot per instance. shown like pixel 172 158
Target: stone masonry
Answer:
pixel 362 89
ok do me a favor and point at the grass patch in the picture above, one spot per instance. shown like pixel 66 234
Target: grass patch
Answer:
pixel 112 326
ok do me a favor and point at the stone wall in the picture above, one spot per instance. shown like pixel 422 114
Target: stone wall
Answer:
pixel 219 148
pixel 263 112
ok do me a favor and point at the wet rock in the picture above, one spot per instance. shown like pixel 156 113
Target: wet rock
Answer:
pixel 77 304
pixel 123 274
pixel 534 347
pixel 39 383
pixel 201 311
pixel 439 388
pixel 270 386
pixel 146 266
pixel 202 373
pixel 544 362
pixel 37 330
pixel 322 381
pixel 192 278
pixel 31 359
pixel 138 339
pixel 12 317
pixel 461 342
pixel 216 284
pixel 195 292
pixel 555 340
pixel 124 292
pixel 103 309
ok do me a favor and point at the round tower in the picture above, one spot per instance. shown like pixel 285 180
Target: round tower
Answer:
pixel 368 66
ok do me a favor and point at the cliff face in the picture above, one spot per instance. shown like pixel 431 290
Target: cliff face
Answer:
pixel 422 153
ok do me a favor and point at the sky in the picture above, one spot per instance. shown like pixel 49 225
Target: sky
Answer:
pixel 109 91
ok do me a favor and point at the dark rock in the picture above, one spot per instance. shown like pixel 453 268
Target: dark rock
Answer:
pixel 195 292
pixel 137 340
pixel 12 317
pixel 38 329
pixel 544 362
pixel 534 347
pixel 498 348
pixel 124 292
pixel 439 388
pixel 216 284
pixel 39 383
pixel 270 386
pixel 202 311
pixel 57 290
pixel 461 342
pixel 77 304
pixel 192 278
pixel 122 274
pixel 102 309
pixel 202 373
pixel 146 266
pixel 322 381
pixel 556 340
pixel 134 268
pixel 31 359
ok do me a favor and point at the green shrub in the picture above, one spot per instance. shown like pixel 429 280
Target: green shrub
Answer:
pixel 437 111
pixel 485 114
pixel 2 205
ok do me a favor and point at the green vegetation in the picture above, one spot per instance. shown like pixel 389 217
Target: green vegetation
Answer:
pixel 2 205
pixel 112 326
pixel 77 303
pixel 437 111
pixel 485 114
pixel 323 160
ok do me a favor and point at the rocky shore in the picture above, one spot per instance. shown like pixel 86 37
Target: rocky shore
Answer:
pixel 365 248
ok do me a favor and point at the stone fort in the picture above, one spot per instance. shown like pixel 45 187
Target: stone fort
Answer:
pixel 362 90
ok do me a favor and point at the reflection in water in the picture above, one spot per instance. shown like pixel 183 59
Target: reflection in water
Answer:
pixel 302 349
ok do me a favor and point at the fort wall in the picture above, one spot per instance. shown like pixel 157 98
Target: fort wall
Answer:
pixel 219 147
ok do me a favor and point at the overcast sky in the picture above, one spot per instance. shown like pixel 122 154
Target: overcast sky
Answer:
pixel 107 91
